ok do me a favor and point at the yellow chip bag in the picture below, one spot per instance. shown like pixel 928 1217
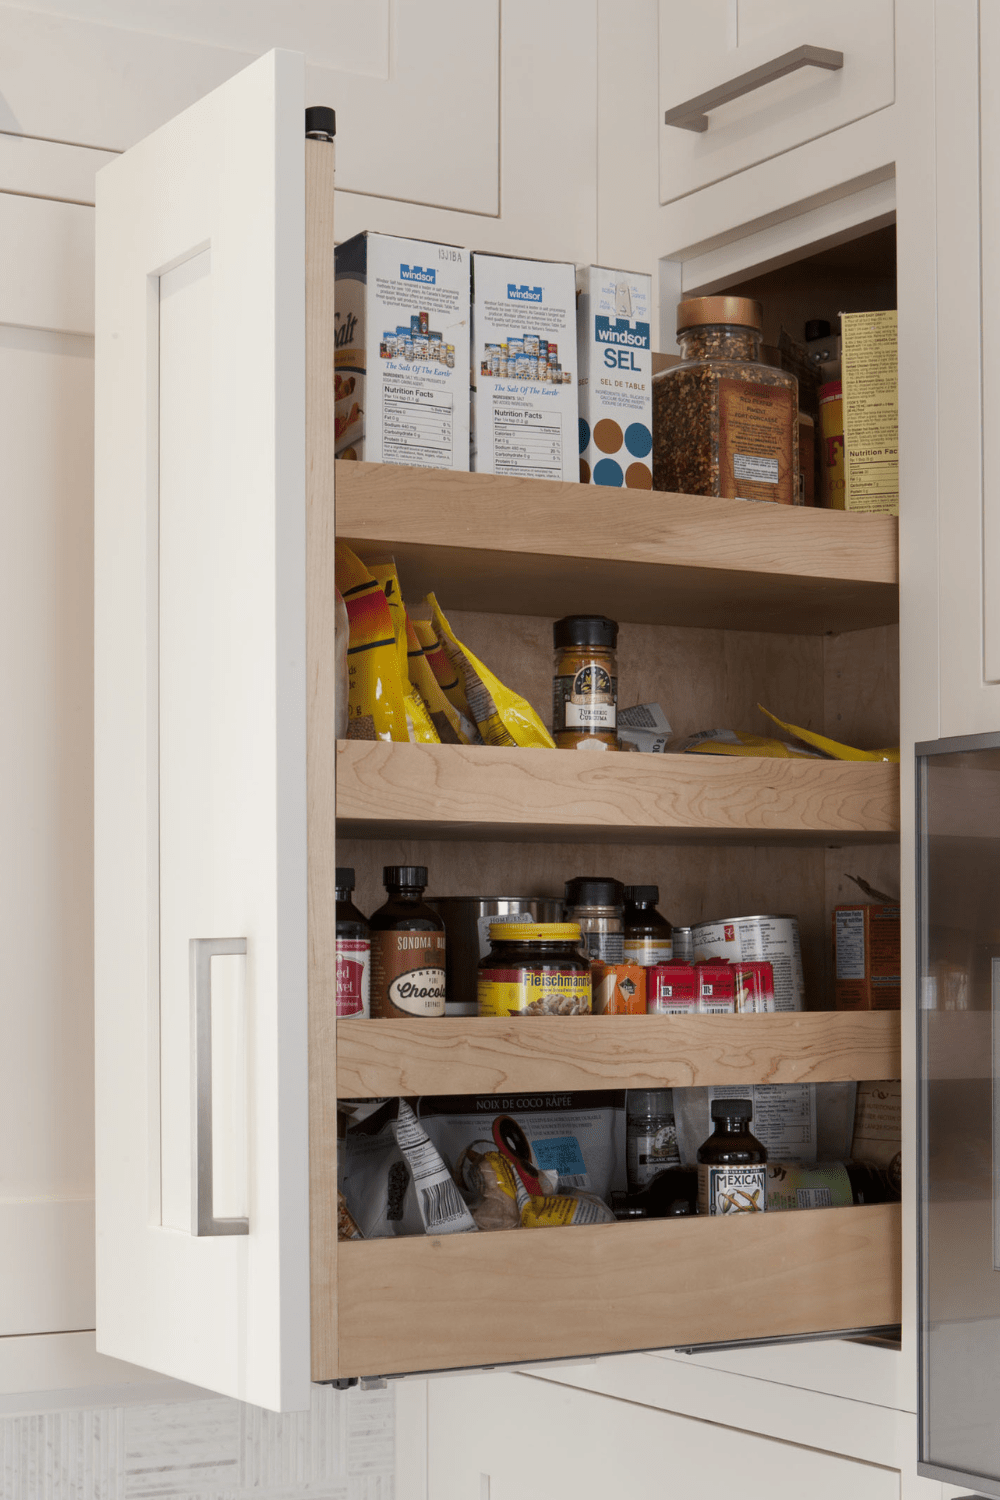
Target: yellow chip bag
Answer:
pixel 736 742
pixel 451 727
pixel 502 717
pixel 418 718
pixel 450 681
pixel 833 747
pixel 376 706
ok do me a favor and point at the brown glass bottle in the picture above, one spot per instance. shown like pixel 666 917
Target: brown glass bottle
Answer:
pixel 732 1163
pixel 648 935
pixel 408 948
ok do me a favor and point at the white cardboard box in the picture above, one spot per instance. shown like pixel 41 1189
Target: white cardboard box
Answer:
pixel 616 378
pixel 402 356
pixel 524 368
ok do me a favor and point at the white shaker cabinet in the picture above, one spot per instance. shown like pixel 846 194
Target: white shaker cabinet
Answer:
pixel 200 746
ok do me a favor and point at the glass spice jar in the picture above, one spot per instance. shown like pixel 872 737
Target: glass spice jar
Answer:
pixel 585 683
pixel 596 904
pixel 723 422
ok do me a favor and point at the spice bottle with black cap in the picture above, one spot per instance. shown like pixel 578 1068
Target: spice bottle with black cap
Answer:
pixel 732 1163
pixel 597 904
pixel 649 938
pixel 585 683
pixel 354 951
pixel 408 947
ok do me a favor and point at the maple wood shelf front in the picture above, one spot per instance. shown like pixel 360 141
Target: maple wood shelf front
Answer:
pixel 545 547
pixel 443 1303
pixel 488 1055
pixel 484 791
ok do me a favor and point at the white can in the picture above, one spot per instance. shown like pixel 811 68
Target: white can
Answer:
pixel 773 938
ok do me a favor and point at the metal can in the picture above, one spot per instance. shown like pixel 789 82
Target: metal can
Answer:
pixel 534 969
pixel 683 944
pixel 672 990
pixel 775 938
pixel 467 926
pixel 754 982
pixel 716 989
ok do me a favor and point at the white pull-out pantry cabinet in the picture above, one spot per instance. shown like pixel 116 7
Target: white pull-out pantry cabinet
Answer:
pixel 215 778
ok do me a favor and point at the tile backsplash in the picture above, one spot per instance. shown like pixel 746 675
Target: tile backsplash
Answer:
pixel 343 1448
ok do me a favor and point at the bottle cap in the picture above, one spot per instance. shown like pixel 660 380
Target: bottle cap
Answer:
pixel 732 1109
pixel 585 630
pixel 642 893
pixel 321 122
pixel 649 1102
pixel 695 312
pixel 345 878
pixel 537 932
pixel 594 890
pixel 817 328
pixel 393 875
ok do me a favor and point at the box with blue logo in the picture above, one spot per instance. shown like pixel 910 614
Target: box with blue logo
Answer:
pixel 524 367
pixel 402 352
pixel 616 378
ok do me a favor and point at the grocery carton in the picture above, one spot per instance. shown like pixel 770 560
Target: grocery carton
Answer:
pixel 878 1124
pixel 871 412
pixel 402 352
pixel 524 368
pixel 866 957
pixel 616 378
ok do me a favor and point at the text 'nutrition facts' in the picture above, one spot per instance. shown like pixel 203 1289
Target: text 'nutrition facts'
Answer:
pixel 527 443
pixel 417 427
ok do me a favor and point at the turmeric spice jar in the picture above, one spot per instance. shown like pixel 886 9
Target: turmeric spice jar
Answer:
pixel 585 684
pixel 723 423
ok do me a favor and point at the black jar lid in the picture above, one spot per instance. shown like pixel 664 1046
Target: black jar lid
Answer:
pixel 817 328
pixel 321 122
pixel 585 630
pixel 594 890
pixel 732 1109
pixel 393 875
pixel 345 878
pixel 642 893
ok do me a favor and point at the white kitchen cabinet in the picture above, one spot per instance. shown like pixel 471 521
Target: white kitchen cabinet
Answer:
pixel 745 80
pixel 517 1437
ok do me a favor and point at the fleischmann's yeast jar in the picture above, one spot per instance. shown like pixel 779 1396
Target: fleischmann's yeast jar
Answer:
pixel 534 969
pixel 723 422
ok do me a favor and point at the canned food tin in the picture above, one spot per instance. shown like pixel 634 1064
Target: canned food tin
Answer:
pixel 716 989
pixel 534 969
pixel 683 945
pixel 467 922
pixel 672 990
pixel 775 938
pixel 754 981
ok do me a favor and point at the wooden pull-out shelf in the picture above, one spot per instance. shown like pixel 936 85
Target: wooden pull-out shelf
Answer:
pixel 482 791
pixel 485 1055
pixel 542 547
pixel 506 1298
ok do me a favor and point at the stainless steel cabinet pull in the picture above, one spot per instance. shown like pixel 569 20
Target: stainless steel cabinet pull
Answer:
pixel 202 951
pixel 691 115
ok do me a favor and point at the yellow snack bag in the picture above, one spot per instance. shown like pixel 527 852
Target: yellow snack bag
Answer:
pixel 450 680
pixel 736 742
pixel 376 707
pixel 833 747
pixel 503 717
pixel 419 723
pixel 449 723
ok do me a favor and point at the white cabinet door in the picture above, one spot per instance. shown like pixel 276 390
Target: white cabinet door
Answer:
pixel 714 43
pixel 200 743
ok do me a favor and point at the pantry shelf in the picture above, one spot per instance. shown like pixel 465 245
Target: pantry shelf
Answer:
pixel 478 792
pixel 544 547
pixel 444 1302
pixel 486 1055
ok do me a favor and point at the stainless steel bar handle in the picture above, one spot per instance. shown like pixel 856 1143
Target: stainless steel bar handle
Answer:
pixel 692 114
pixel 201 953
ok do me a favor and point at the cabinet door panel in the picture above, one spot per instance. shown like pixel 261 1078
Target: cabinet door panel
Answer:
pixel 200 737
pixel 709 44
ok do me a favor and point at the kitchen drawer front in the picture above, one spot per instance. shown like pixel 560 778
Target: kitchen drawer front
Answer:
pixel 711 45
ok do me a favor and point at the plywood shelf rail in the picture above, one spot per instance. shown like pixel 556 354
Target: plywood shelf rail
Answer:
pixel 481 1299
pixel 545 547
pixel 484 791
pixel 486 1055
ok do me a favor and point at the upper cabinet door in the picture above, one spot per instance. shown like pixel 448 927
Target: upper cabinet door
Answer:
pixel 200 792
pixel 762 101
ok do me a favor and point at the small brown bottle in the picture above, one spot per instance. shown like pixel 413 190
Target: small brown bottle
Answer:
pixel 407 948
pixel 648 935
pixel 732 1163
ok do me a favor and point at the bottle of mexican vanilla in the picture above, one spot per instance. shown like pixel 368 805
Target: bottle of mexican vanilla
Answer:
pixel 732 1163
pixel 407 948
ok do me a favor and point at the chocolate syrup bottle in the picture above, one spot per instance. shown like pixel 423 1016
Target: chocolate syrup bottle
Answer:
pixel 407 948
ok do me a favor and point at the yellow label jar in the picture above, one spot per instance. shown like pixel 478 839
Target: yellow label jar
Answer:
pixel 585 683
pixel 534 969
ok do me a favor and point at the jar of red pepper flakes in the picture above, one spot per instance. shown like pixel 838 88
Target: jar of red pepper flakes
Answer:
pixel 585 683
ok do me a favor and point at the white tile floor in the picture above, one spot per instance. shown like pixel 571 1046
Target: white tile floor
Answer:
pixel 342 1449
